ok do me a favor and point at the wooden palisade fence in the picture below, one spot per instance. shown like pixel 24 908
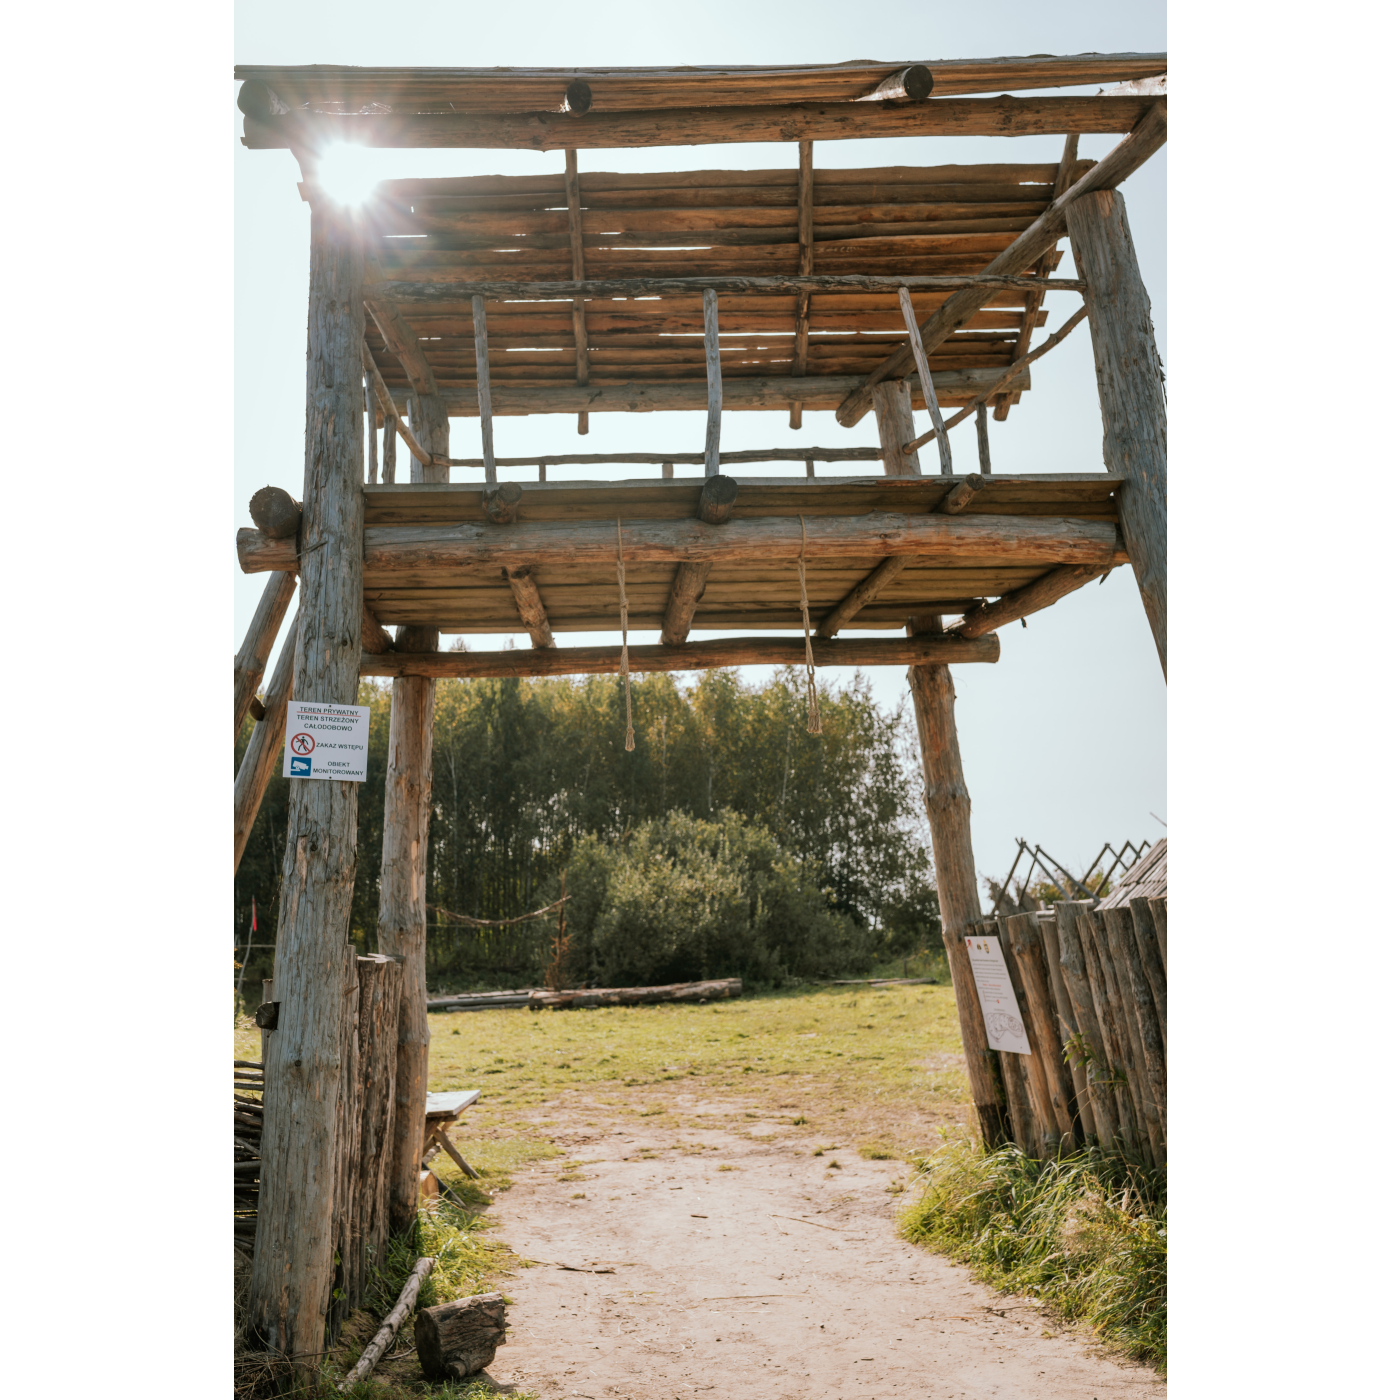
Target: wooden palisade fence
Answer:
pixel 1092 989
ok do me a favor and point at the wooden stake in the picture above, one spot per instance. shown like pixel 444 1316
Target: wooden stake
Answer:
pixel 1023 932
pixel 264 752
pixel 1132 1127
pixel 804 269
pixel 911 323
pixel 1101 1121
pixel 292 1257
pixel 984 446
pixel 483 387
pixel 1130 380
pixel 1067 1023
pixel 391 439
pixel 251 660
pixel 1150 951
pixel 571 195
pixel 714 388
pixel 1137 996
pixel 1040 1084
pixel 960 908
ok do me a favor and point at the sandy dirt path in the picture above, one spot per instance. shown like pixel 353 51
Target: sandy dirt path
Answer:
pixel 783 1278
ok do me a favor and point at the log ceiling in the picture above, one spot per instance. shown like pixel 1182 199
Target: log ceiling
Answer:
pixel 891 222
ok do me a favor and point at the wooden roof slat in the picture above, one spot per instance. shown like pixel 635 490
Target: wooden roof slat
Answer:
pixel 532 89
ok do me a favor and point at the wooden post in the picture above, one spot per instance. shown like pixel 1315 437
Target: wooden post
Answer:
pixel 984 446
pixel 894 418
pixel 251 660
pixel 960 910
pixel 1047 1114
pixel 1131 398
pixel 571 197
pixel 804 269
pixel 1023 933
pixel 1137 994
pixel 1150 950
pixel 391 440
pixel 292 1258
pixel 371 434
pixel 264 751
pixel 483 389
pixel 1131 1124
pixel 344 1299
pixel 713 381
pixel 1068 1021
pixel 911 324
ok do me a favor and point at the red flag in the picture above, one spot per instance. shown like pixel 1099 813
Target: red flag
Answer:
pixel 255 916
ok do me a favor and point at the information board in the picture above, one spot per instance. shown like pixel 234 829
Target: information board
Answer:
pixel 326 741
pixel 1000 1014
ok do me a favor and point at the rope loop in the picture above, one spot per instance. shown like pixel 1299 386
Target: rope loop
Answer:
pixel 814 714
pixel 630 742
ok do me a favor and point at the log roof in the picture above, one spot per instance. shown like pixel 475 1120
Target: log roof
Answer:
pixel 753 593
pixel 897 222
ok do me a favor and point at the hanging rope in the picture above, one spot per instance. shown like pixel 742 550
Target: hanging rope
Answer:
pixel 631 742
pixel 814 714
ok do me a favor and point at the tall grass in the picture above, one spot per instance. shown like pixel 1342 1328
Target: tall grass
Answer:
pixel 1085 1233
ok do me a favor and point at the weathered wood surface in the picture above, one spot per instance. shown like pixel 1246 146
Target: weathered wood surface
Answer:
pixel 717 498
pixel 465 1167
pixel 715 990
pixel 690 459
pixel 530 606
pixel 391 414
pixel 263 756
pixel 1021 1116
pixel 428 415
pixel 939 430
pixel 1159 921
pixel 344 1295
pixel 251 659
pixel 373 638
pixel 540 89
pixel 1131 397
pixel 1047 589
pixel 483 386
pixel 686 656
pixel 1050 1137
pixel 571 197
pixel 380 992
pixel 696 126
pixel 961 496
pixel 401 341
pixel 461 292
pixel 984 445
pixel 817 391
pixel 1067 1024
pixel 396 1319
pixel 292 1259
pixel 501 504
pixel 275 512
pixel 1137 993
pixel 805 264
pixel 868 589
pixel 949 811
pixel 1023 933
pixel 1147 137
pixel 714 384
pixel 458 1339
pixel 1150 952
pixel 403 914
pixel 1112 1056
pixel 894 420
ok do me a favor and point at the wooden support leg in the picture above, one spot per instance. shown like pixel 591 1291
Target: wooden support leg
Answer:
pixel 251 660
pixel 804 269
pixel 894 417
pixel 960 908
pixel 1134 406
pixel 264 751
pixel 713 381
pixel 984 445
pixel 292 1258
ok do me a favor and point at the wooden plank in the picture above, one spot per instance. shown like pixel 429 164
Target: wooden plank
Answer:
pixel 695 126
pixel 450 1103
pixel 542 89
pixel 691 656
pixel 1129 374
pixel 1146 137
pixel 251 658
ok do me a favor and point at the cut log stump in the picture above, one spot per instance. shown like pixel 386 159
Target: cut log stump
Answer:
pixel 456 1340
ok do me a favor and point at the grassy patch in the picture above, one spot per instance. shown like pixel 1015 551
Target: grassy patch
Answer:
pixel 1085 1233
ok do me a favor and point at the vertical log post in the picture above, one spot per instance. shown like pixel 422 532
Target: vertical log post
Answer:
pixel 343 1298
pixel 1150 951
pixel 269 994
pixel 1159 922
pixel 1131 398
pixel 950 825
pixel 984 445
pixel 1137 992
pixel 403 914
pixel 894 420
pixel 571 198
pixel 1070 1025
pixel 714 391
pixel 1131 1125
pixel 371 434
pixel 804 269
pixel 483 391
pixel 1023 931
pixel 292 1257
pixel 391 441
pixel 1049 1133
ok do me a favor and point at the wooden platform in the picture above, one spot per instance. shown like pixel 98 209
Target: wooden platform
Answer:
pixel 750 594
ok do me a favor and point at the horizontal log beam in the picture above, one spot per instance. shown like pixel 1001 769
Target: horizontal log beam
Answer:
pixel 702 126
pixel 686 459
pixel 814 391
pixel 691 656
pixel 439 293
pixel 1024 601
pixel 1145 139
pixel 982 540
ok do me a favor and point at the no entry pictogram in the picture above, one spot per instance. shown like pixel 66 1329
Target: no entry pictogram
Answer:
pixel 302 744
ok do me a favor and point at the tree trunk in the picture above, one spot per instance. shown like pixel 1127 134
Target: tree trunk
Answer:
pixel 292 1260
pixel 458 1339
pixel 1131 397
pixel 950 824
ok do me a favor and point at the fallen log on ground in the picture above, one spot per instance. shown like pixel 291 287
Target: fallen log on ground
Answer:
pixel 456 1340
pixel 634 996
pixel 392 1323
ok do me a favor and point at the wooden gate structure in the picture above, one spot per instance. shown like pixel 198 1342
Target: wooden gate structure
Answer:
pixel 893 290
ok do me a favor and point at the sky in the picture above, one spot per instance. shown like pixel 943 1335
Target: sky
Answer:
pixel 1064 739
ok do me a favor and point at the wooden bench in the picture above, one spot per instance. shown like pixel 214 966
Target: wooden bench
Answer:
pixel 442 1111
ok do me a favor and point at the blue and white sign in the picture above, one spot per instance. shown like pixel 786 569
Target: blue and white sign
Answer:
pixel 326 741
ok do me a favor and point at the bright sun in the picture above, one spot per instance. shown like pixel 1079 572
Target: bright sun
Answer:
pixel 347 173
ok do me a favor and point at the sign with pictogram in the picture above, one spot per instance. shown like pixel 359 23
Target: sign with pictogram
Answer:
pixel 1000 1013
pixel 326 741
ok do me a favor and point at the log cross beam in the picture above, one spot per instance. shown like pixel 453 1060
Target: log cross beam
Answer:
pixel 1145 139
pixel 911 324
pixel 879 578
pixel 391 414
pixel 571 195
pixel 805 243
pixel 483 388
pixel 529 605
pixel 717 498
